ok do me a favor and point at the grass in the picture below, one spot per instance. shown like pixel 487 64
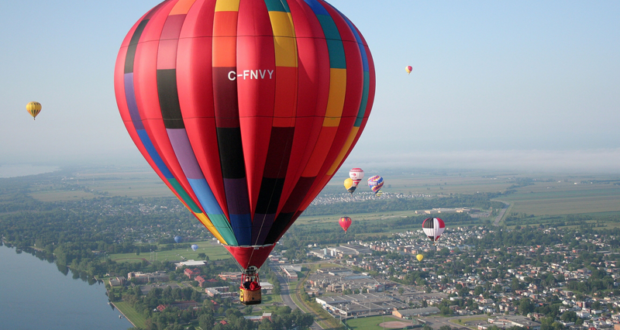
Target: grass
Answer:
pixel 371 323
pixel 214 252
pixel 465 319
pixel 131 314
pixel 559 198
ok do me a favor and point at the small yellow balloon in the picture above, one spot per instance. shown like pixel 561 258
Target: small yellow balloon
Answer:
pixel 33 109
pixel 420 257
pixel 348 185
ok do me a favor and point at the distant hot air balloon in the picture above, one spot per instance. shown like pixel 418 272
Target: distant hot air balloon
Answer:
pixel 246 110
pixel 408 69
pixel 433 228
pixel 178 239
pixel 356 174
pixel 194 247
pixel 379 194
pixel 33 109
pixel 375 183
pixel 419 257
pixel 348 185
pixel 345 223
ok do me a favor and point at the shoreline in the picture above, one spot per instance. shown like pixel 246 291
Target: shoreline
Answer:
pixel 125 316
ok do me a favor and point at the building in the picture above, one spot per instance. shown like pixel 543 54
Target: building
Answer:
pixel 266 287
pixel 201 281
pixel 230 276
pixel 190 263
pixel 259 318
pixel 360 304
pixel 191 273
pixel 221 291
pixel 410 314
pixel 158 276
pixel 349 250
pixel 515 321
pixel 117 281
pixel 291 271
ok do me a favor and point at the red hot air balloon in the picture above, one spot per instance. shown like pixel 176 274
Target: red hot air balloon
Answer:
pixel 245 109
pixel 345 223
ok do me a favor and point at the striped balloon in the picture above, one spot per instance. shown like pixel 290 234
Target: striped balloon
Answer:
pixel 375 183
pixel 245 108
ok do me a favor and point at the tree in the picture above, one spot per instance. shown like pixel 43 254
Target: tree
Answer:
pixel 265 325
pixel 478 291
pixel 569 317
pixel 401 291
pixel 206 321
pixel 525 306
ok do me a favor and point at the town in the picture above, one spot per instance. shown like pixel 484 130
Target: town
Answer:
pixel 473 277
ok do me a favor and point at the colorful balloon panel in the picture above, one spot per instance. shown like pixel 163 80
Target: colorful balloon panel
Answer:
pixel 345 223
pixel 245 108
pixel 375 183
pixel 433 228
pixel 34 108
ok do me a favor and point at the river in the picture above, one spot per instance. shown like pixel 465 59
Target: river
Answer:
pixel 34 294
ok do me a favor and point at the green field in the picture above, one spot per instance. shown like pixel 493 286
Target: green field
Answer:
pixel 371 323
pixel 136 318
pixel 214 252
pixel 549 194
pixel 559 198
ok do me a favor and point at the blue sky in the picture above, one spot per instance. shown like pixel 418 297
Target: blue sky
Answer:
pixel 501 80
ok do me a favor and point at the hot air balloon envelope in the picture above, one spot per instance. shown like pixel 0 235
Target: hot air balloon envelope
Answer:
pixel 433 228
pixel 345 223
pixel 348 185
pixel 419 257
pixel 194 247
pixel 178 239
pixel 245 109
pixel 356 174
pixel 34 108
pixel 375 183
pixel 408 69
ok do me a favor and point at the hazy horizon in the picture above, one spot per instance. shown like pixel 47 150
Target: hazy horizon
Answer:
pixel 527 85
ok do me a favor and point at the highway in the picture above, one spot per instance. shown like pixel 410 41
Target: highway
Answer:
pixel 501 213
pixel 286 297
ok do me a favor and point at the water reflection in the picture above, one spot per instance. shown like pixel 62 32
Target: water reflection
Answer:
pixel 63 269
pixel 35 283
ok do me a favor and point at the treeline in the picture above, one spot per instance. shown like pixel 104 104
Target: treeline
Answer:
pixel 481 200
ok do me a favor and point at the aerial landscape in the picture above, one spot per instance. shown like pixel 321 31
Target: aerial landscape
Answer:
pixel 304 164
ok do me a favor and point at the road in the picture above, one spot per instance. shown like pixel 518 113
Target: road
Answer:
pixel 501 214
pixel 286 297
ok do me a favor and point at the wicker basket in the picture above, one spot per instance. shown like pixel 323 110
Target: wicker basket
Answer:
pixel 249 297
